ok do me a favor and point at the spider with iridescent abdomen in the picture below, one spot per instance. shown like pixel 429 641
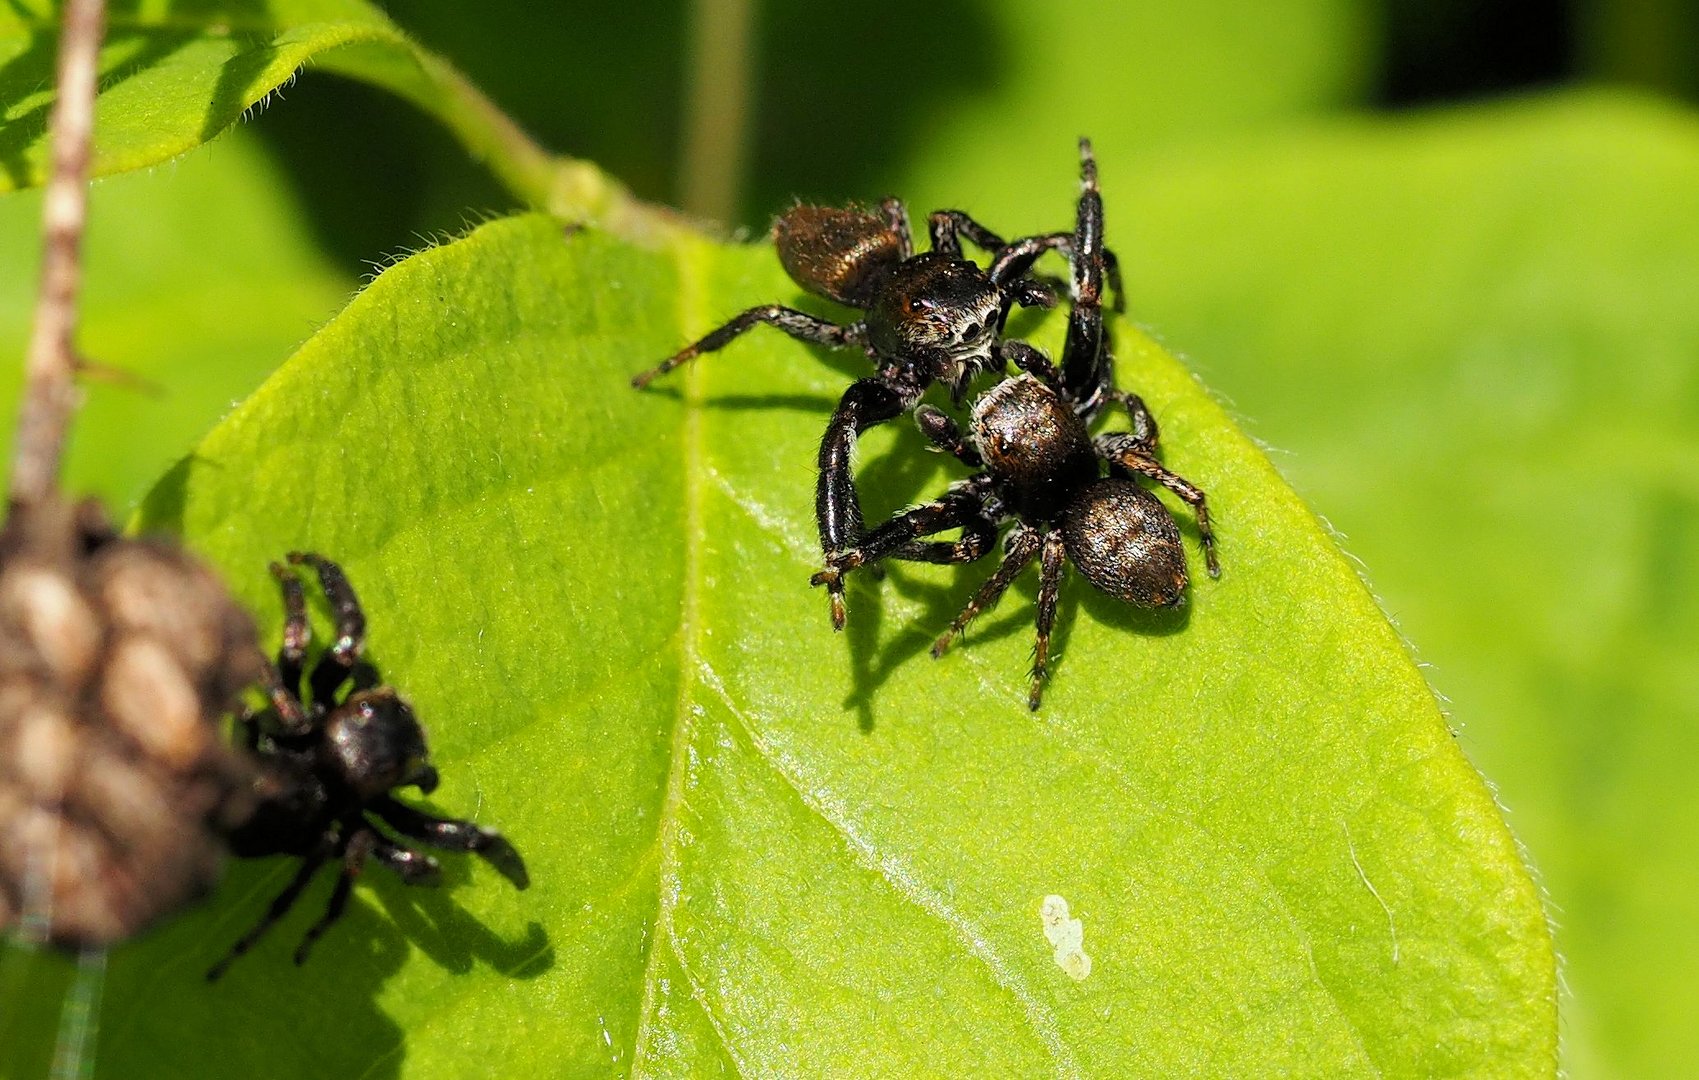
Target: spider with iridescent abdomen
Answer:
pixel 931 317
pixel 330 763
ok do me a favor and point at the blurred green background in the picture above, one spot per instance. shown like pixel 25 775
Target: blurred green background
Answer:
pixel 1443 257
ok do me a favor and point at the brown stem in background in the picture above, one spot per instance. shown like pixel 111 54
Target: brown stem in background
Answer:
pixel 717 108
pixel 50 393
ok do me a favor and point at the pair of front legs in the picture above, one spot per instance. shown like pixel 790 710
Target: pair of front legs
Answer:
pixel 358 841
pixel 341 662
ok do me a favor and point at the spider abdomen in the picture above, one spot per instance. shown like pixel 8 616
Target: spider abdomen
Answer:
pixel 842 254
pixel 1126 543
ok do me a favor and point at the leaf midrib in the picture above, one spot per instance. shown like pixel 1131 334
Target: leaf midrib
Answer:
pixel 692 309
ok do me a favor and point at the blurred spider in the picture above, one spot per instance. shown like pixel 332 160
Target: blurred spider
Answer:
pixel 930 317
pixel 329 765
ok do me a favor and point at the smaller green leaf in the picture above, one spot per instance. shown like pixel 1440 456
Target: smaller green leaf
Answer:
pixel 174 75
pixel 171 75
pixel 760 847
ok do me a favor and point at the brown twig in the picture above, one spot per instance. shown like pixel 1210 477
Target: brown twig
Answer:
pixel 50 393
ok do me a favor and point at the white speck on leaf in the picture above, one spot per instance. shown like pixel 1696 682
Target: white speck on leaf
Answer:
pixel 1066 936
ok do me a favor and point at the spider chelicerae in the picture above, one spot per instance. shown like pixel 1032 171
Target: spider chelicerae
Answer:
pixel 932 316
pixel 330 762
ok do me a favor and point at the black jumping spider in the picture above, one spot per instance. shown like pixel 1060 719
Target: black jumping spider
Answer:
pixel 1042 468
pixel 930 317
pixel 330 763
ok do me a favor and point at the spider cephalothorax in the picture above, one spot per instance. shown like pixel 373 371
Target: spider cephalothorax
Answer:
pixel 329 766
pixel 933 317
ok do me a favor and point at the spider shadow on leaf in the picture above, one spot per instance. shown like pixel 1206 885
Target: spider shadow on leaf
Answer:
pixel 1015 615
pixel 266 999
pixel 451 936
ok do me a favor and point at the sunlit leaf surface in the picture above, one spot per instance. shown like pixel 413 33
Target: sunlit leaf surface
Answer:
pixel 758 846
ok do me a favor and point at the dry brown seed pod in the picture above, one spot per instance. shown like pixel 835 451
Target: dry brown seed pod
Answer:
pixel 119 658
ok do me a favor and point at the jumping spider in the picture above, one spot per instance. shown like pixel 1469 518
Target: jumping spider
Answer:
pixel 930 317
pixel 1042 468
pixel 329 763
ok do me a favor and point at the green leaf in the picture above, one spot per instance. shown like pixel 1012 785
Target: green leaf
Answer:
pixel 171 76
pixel 1476 333
pixel 174 75
pixel 196 280
pixel 760 847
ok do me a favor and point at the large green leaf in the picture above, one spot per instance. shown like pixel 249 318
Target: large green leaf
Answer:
pixel 761 847
pixel 197 281
pixel 1477 334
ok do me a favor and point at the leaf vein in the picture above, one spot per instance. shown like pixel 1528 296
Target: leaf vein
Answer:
pixel 905 883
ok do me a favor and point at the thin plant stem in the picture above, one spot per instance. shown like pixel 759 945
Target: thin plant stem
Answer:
pixel 50 392
pixel 717 110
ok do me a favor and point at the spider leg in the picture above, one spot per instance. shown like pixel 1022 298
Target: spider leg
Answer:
pixel 1123 452
pixel 837 509
pixel 979 536
pixel 248 729
pixel 956 509
pixel 946 435
pixel 797 324
pixel 338 662
pixel 412 867
pixel 1015 258
pixel 297 631
pixel 279 907
pixel 344 605
pixel 292 717
pixel 896 219
pixel 1034 363
pixel 1052 562
pixel 947 227
pixel 353 859
pixel 452 835
pixel 1021 549
pixel 1112 271
pixel 1085 358
pixel 1144 436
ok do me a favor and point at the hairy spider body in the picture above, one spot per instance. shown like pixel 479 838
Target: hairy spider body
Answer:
pixel 1072 497
pixel 329 766
pixel 932 317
